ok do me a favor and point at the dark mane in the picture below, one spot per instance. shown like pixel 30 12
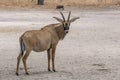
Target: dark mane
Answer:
pixel 58 29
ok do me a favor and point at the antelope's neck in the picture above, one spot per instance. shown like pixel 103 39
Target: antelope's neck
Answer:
pixel 60 31
pixel 56 28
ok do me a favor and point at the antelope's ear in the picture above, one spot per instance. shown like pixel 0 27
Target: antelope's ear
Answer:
pixel 73 19
pixel 58 19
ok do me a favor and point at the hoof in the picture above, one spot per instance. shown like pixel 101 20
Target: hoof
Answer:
pixel 49 70
pixel 27 73
pixel 54 70
pixel 17 74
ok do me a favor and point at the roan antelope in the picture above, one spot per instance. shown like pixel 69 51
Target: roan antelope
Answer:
pixel 45 39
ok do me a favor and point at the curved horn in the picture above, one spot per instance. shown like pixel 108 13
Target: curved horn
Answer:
pixel 69 16
pixel 62 16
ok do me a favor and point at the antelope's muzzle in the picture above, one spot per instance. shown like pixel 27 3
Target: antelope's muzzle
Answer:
pixel 66 29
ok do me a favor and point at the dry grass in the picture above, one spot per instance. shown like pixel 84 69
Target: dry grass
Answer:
pixel 83 2
pixel 53 3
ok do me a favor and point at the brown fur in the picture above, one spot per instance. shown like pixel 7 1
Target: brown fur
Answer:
pixel 46 38
pixel 39 40
pixel 58 29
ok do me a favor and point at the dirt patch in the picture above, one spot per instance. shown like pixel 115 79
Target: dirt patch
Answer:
pixel 7 30
pixel 101 65
pixel 82 55
pixel 103 70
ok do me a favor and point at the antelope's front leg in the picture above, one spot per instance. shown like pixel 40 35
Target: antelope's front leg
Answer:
pixel 53 58
pixel 48 54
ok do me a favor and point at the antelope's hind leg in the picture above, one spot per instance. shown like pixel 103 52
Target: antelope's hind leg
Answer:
pixel 18 63
pixel 24 60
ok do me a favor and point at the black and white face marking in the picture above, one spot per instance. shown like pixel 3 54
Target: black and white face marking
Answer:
pixel 66 26
pixel 66 23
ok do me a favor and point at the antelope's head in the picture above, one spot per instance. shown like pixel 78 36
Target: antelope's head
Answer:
pixel 66 23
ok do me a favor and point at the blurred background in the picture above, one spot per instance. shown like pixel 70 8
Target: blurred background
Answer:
pixel 53 3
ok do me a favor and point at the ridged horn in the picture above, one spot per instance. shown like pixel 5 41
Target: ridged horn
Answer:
pixel 69 16
pixel 62 16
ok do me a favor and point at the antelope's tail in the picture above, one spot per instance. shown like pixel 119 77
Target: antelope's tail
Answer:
pixel 22 47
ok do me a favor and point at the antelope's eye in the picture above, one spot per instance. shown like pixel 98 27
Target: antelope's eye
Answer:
pixel 66 24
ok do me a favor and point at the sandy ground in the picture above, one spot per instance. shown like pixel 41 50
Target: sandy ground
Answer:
pixel 91 50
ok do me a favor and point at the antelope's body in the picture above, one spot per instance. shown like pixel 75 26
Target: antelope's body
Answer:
pixel 46 38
